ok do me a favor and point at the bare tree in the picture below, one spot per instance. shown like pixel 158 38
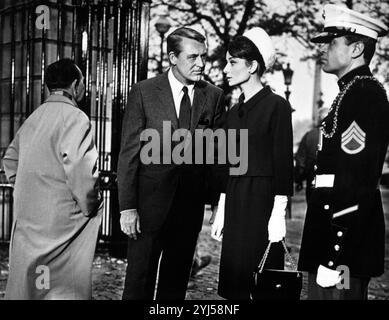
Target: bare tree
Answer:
pixel 222 20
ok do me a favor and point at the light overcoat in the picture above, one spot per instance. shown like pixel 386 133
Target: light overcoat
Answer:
pixel 52 161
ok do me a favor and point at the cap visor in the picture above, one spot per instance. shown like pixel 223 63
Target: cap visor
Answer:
pixel 323 37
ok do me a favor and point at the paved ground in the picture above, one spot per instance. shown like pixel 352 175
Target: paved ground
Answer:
pixel 108 273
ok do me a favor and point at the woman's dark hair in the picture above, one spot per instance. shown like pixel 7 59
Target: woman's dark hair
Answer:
pixel 369 45
pixel 175 38
pixel 61 74
pixel 243 48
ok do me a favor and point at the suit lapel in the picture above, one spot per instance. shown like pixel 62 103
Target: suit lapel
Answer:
pixel 165 97
pixel 197 107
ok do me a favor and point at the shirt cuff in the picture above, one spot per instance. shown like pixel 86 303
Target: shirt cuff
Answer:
pixel 128 211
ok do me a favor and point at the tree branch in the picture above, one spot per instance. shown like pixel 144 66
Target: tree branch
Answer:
pixel 175 7
pixel 207 18
pixel 221 9
pixel 247 12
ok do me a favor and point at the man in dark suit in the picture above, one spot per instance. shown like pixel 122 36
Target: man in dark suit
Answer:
pixel 162 203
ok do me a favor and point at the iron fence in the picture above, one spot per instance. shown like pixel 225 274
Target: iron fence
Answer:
pixel 108 39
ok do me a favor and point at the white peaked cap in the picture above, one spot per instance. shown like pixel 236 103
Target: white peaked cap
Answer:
pixel 340 20
pixel 264 44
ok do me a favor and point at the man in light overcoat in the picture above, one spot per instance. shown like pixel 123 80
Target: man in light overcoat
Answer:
pixel 52 163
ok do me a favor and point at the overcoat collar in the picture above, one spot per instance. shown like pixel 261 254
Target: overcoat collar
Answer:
pixel 61 98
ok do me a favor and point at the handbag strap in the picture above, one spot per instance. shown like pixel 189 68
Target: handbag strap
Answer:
pixel 264 258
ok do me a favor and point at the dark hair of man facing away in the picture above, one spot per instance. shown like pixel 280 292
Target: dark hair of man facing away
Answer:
pixel 175 38
pixel 369 45
pixel 61 74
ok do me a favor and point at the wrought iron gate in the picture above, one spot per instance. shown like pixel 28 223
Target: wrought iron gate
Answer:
pixel 108 39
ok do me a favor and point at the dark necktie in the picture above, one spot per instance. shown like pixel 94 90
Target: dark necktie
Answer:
pixel 185 106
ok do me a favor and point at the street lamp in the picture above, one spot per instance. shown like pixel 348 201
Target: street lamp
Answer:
pixel 288 75
pixel 320 101
pixel 162 25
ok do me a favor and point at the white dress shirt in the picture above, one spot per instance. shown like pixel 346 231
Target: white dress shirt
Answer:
pixel 177 92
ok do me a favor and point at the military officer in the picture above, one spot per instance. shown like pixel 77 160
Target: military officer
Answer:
pixel 344 234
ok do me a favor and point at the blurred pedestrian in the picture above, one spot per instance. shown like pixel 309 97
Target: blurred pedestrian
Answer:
pixel 52 162
pixel 306 156
pixel 256 201
pixel 343 242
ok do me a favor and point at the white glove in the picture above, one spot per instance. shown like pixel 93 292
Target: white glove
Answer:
pixel 277 224
pixel 327 277
pixel 217 219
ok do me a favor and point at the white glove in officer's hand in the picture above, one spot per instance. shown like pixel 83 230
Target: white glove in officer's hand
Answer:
pixel 277 224
pixel 217 219
pixel 327 277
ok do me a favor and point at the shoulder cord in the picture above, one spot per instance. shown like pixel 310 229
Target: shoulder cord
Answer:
pixel 338 100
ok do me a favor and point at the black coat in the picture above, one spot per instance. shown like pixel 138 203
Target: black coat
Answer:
pixel 250 197
pixel 345 224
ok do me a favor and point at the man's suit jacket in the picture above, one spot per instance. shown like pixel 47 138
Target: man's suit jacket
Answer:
pixel 150 188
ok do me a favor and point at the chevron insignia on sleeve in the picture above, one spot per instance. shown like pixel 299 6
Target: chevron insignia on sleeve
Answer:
pixel 353 139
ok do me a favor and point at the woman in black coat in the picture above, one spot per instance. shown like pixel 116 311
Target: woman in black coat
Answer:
pixel 256 200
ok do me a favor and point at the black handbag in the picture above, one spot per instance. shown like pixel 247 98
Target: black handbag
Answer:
pixel 271 284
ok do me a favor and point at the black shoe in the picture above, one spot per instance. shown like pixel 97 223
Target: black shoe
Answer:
pixel 198 265
pixel 191 285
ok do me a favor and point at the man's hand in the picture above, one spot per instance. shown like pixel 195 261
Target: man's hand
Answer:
pixel 129 223
pixel 327 277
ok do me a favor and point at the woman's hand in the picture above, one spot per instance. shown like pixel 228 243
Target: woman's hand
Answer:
pixel 277 225
pixel 217 219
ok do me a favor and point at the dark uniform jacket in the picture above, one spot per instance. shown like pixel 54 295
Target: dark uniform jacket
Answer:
pixel 345 224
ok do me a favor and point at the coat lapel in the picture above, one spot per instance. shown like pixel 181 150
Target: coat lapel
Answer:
pixel 197 107
pixel 165 97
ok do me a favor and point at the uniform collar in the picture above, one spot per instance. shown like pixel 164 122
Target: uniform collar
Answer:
pixel 360 71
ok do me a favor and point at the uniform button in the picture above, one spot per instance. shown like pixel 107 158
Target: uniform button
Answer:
pixel 337 247
pixel 326 207
pixel 330 263
pixel 315 167
pixel 339 234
